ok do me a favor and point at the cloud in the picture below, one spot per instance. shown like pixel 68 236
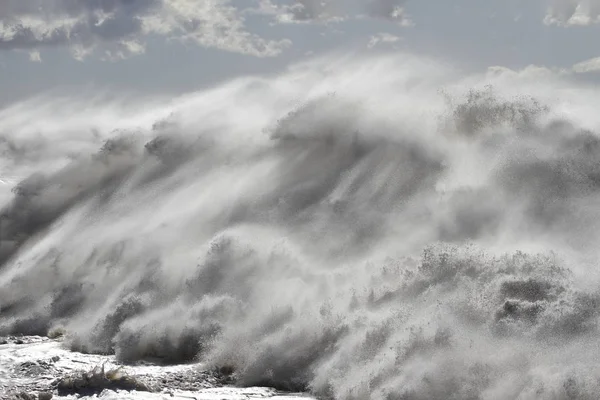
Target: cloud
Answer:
pixel 573 12
pixel 592 65
pixel 118 27
pixel 389 9
pixel 310 10
pixel 382 38
pixel 303 11
pixel 35 56
pixel 325 11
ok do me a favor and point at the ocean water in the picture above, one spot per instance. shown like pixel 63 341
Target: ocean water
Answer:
pixel 381 227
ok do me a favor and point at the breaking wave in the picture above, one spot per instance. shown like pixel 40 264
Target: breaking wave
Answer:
pixel 380 228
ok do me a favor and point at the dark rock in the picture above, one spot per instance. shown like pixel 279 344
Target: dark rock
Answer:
pixel 97 380
pixel 24 396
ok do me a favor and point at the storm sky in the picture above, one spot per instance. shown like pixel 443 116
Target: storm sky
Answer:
pixel 174 46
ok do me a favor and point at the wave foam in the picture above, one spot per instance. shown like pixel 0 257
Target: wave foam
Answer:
pixel 378 241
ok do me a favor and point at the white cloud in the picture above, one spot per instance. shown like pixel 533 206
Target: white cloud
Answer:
pixel 118 27
pixel 539 72
pixel 536 71
pixel 311 10
pixel 592 65
pixel 303 11
pixel 389 9
pixel 325 11
pixel 573 12
pixel 35 56
pixel 382 38
pixel 530 72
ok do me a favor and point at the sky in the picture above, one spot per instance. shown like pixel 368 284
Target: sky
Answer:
pixel 176 46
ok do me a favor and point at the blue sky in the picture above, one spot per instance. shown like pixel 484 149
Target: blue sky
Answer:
pixel 174 46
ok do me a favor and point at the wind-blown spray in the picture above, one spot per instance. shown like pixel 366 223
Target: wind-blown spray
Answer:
pixel 345 228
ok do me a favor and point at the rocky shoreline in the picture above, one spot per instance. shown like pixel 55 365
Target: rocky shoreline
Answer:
pixel 39 368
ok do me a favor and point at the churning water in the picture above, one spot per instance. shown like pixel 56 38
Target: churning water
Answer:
pixel 371 228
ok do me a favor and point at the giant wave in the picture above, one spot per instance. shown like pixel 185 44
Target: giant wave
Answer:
pixel 378 227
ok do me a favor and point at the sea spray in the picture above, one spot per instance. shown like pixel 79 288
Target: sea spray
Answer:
pixel 379 228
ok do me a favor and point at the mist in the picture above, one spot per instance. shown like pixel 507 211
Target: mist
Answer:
pixel 378 227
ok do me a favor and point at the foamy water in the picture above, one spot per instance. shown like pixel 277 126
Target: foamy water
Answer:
pixel 364 228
